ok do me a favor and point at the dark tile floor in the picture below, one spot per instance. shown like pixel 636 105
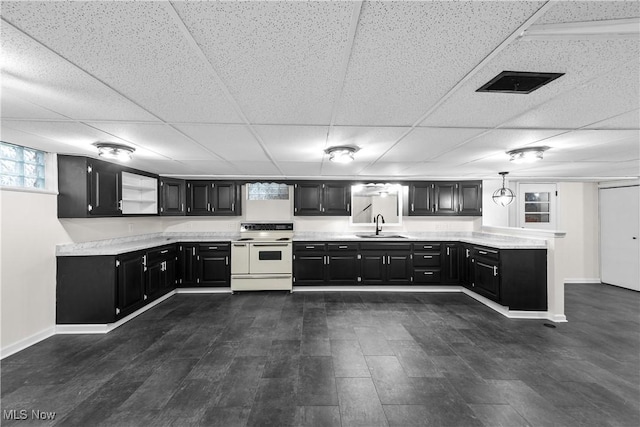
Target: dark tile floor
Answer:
pixel 340 359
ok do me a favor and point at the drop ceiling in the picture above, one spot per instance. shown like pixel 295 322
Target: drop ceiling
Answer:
pixel 261 89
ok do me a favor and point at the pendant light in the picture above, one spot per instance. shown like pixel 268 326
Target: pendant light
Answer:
pixel 503 196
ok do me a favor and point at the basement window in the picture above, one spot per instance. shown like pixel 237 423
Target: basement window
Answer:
pixel 22 167
pixel 267 191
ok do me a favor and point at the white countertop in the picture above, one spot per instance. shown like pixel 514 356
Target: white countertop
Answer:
pixel 146 241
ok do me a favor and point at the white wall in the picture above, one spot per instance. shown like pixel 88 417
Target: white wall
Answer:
pixel 492 214
pixel 30 232
pixel 578 216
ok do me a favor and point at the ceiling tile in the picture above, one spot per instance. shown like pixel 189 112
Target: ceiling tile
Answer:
pixel 581 11
pixel 281 60
pixel 295 143
pixel 157 138
pixel 25 138
pixel 208 168
pixel 610 95
pixel 427 143
pixel 135 47
pixel 75 136
pixel 372 142
pixel 230 142
pixel 41 78
pixel 580 60
pixel 345 170
pixel 406 55
pixel 257 169
pixel 630 120
pixel 300 169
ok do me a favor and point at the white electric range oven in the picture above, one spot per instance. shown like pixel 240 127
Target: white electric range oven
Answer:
pixel 262 258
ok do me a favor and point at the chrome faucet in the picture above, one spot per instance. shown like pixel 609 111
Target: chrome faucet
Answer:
pixel 378 227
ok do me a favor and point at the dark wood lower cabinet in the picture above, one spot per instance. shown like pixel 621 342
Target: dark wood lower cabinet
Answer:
pixel 131 283
pixel 204 264
pixel 326 264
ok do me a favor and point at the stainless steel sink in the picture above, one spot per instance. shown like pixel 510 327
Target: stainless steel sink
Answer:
pixel 381 236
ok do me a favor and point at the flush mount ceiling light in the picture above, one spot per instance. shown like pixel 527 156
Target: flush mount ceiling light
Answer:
pixel 503 196
pixel 527 154
pixel 110 150
pixel 341 154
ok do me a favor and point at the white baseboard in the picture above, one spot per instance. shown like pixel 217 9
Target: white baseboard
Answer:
pixel 413 288
pixel 103 328
pixel 587 280
pixel 558 318
pixel 203 291
pixel 511 314
pixel 27 342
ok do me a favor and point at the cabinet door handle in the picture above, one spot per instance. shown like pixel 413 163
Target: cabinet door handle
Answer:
pixel 448 251
pixel 181 207
pixel 209 207
pixel 328 260
pixel 389 259
pixel 193 251
pixel 120 205
pixel 165 251
pixel 495 270
pixel 213 247
pixel 226 260
pixel 309 247
pixel 384 260
pixel 427 256
pixel 427 247
pixel 482 252
pixel 233 207
pixel 343 247
pixel 412 207
pixel 466 251
pixel 428 273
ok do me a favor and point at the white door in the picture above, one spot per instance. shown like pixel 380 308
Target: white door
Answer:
pixel 619 226
pixel 537 206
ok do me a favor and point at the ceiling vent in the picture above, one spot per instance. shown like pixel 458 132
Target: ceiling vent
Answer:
pixel 518 82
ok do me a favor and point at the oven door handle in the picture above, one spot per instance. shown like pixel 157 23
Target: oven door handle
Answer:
pixel 264 245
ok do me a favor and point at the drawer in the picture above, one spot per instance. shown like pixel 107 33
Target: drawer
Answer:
pixel 211 247
pixel 311 246
pixel 426 259
pixel 486 253
pixel 386 246
pixel 426 275
pixel 161 254
pixel 426 246
pixel 342 247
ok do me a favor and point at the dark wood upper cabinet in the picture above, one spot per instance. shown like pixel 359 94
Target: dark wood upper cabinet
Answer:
pixel 446 198
pixel 470 198
pixel 315 198
pixel 442 198
pixel 213 198
pixel 173 197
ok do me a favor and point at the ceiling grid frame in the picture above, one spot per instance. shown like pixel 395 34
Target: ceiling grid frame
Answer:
pixel 353 29
pixel 514 35
pixel 108 86
pixel 196 47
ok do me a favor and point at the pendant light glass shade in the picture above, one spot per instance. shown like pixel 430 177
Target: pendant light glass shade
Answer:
pixel 503 196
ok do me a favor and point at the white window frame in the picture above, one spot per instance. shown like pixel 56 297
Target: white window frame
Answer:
pixel 545 187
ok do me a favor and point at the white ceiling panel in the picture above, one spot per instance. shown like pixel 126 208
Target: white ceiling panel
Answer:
pixel 495 143
pixel 426 143
pixel 281 61
pixel 135 47
pixel 407 55
pixel 28 139
pixel 207 168
pixel 580 60
pixel 256 169
pixel 385 169
pixel 610 95
pixel 372 142
pixel 76 136
pixel 230 142
pixel 295 143
pixel 630 120
pixel 14 106
pixel 352 169
pixel 38 76
pixel 581 11
pixel 158 138
pixel 300 169
pixel 428 170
